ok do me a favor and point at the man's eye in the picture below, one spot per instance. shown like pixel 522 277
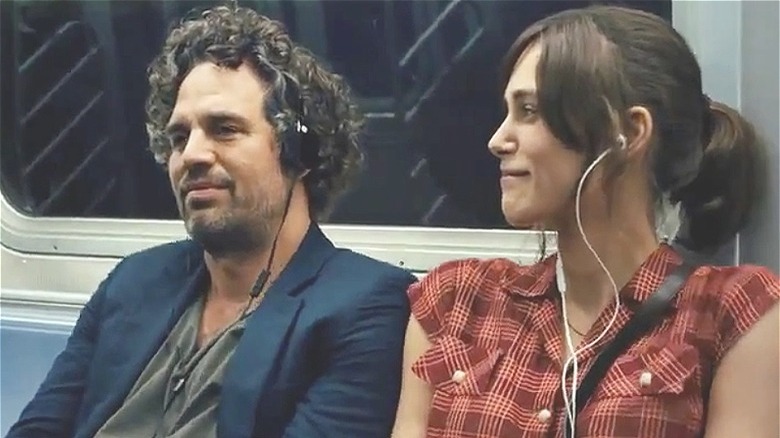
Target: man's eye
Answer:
pixel 178 140
pixel 225 130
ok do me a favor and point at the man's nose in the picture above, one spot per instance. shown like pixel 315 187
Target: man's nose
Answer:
pixel 199 149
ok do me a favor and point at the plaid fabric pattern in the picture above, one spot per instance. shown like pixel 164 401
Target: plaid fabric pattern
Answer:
pixel 495 363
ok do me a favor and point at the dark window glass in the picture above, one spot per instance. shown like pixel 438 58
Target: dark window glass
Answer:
pixel 73 85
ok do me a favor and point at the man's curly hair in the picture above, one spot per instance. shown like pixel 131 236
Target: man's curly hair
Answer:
pixel 229 36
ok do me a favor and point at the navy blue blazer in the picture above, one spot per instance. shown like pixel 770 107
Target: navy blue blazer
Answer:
pixel 320 357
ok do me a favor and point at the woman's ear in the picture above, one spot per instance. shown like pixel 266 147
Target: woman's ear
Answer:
pixel 641 131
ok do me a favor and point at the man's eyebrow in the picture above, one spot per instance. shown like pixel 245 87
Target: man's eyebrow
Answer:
pixel 225 116
pixel 176 126
pixel 210 118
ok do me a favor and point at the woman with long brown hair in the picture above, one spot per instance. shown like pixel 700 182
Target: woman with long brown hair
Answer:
pixel 606 122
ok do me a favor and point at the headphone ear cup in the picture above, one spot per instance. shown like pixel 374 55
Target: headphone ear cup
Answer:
pixel 289 151
pixel 299 150
pixel 309 152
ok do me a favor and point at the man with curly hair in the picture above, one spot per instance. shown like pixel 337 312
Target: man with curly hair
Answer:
pixel 257 325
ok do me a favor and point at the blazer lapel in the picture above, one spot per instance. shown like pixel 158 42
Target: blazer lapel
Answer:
pixel 254 362
pixel 147 324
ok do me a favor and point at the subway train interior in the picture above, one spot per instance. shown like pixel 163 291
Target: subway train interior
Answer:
pixel 80 189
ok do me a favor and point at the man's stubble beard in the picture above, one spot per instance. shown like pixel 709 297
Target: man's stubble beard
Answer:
pixel 234 231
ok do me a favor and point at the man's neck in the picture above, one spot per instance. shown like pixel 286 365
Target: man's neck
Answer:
pixel 233 276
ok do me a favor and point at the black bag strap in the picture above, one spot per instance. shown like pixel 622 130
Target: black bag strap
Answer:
pixel 639 324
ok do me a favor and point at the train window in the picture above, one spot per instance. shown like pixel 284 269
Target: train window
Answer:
pixel 73 85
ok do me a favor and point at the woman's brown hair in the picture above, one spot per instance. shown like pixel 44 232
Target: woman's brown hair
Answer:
pixel 598 62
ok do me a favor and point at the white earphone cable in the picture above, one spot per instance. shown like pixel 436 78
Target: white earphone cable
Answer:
pixel 570 399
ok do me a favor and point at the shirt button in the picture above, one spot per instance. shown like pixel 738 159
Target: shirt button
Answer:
pixel 544 415
pixel 645 379
pixel 458 376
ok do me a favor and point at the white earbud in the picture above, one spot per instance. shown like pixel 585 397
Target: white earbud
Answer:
pixel 622 142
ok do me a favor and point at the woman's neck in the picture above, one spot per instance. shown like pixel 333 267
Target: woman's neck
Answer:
pixel 621 248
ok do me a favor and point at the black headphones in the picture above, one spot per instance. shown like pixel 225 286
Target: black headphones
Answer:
pixel 299 151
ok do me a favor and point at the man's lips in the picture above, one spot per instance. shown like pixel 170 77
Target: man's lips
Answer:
pixel 200 186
